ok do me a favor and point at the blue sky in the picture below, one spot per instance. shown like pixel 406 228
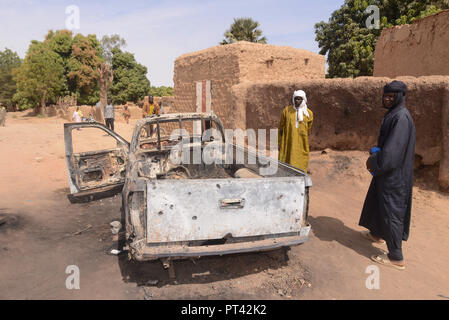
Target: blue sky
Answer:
pixel 159 31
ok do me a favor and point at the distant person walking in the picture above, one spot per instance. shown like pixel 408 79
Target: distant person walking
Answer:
pixel 109 115
pixel 77 114
pixel 161 108
pixel 293 138
pixel 126 114
pixel 387 209
pixel 149 109
pixel 2 116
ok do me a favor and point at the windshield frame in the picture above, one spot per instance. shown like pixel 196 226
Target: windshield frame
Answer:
pixel 173 117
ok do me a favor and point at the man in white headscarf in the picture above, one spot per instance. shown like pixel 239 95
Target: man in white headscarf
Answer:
pixel 295 125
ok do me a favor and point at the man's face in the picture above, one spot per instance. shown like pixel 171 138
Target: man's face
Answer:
pixel 388 99
pixel 298 101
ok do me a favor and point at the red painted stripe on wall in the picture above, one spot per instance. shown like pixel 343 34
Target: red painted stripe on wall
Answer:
pixel 203 92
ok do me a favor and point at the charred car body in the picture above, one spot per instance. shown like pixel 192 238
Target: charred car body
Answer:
pixel 191 195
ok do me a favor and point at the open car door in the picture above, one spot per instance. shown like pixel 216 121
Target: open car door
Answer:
pixel 95 174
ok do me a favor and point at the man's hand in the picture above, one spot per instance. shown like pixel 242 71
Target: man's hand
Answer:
pixel 374 150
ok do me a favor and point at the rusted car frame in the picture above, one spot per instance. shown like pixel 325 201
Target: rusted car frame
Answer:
pixel 161 200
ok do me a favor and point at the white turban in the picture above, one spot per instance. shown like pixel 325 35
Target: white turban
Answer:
pixel 302 109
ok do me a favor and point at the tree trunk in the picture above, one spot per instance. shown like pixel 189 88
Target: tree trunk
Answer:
pixel 105 79
pixel 41 107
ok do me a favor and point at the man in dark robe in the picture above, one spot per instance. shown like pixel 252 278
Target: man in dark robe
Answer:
pixel 387 208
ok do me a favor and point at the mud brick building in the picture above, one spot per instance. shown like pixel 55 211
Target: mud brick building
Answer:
pixel 203 80
pixel 247 85
pixel 417 49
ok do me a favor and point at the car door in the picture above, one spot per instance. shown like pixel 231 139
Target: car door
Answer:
pixel 94 174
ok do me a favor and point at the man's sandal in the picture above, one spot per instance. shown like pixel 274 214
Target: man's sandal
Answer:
pixel 383 259
pixel 369 236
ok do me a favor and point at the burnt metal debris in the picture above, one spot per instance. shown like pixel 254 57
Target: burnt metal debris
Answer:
pixel 192 209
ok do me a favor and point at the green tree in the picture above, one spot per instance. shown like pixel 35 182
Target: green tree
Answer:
pixel 108 43
pixel 350 45
pixel 8 61
pixel 82 68
pixel 60 42
pixel 81 55
pixel 105 70
pixel 244 29
pixel 130 82
pixel 64 64
pixel 40 78
pixel 161 91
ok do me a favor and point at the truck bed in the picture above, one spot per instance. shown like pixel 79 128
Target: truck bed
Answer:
pixel 204 209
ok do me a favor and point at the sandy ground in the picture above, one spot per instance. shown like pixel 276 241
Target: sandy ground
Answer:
pixel 41 236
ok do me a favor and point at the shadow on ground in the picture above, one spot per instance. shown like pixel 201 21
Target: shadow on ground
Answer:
pixel 426 178
pixel 332 229
pixel 201 270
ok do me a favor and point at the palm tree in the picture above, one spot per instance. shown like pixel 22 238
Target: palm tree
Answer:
pixel 244 29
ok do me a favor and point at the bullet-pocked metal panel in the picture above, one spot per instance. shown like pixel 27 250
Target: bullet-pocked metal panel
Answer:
pixel 203 209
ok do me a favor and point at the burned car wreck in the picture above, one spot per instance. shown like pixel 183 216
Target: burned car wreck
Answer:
pixel 191 193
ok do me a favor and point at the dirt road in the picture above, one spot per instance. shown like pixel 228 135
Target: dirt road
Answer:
pixel 42 234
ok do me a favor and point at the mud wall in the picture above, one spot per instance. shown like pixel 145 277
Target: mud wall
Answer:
pixel 167 103
pixel 67 113
pixel 417 49
pixel 228 65
pixel 258 62
pixel 220 65
pixel 348 112
pixel 135 111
